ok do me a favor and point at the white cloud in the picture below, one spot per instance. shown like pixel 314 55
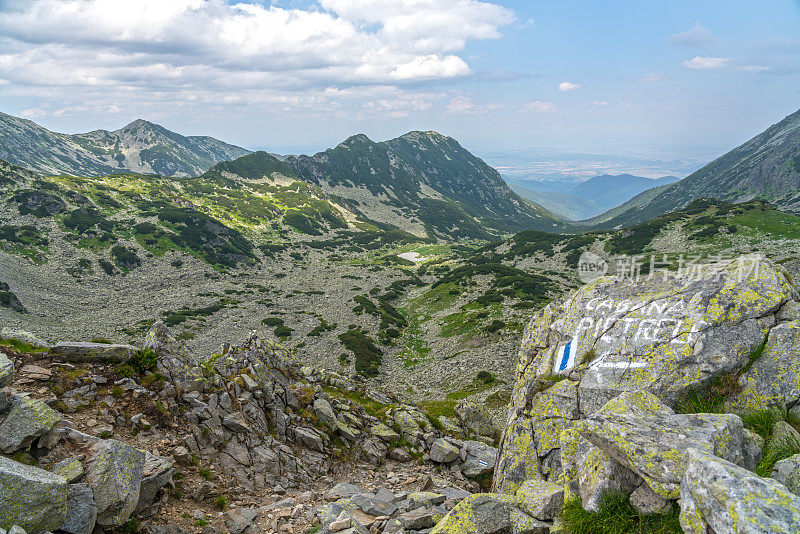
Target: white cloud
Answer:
pixel 538 106
pixel 652 77
pixel 695 37
pixel 107 52
pixel 33 113
pixel 461 104
pixel 754 68
pixel 568 86
pixel 600 103
pixel 706 63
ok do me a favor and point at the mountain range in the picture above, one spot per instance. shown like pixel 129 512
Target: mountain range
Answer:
pixel 141 146
pixel 583 200
pixel 766 167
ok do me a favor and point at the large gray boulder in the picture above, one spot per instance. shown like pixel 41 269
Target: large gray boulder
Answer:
pixel 115 474
pixel 718 496
pixel 443 452
pixel 481 459
pixel 27 420
pixel 79 351
pixel 81 510
pixel 324 412
pixel 773 381
pixel 6 370
pixel 175 361
pixel 490 513
pixel 651 440
pixel 475 418
pixel 668 334
pixel 31 498
pixel 787 472
pixel 156 473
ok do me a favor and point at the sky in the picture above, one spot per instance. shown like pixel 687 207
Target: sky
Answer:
pixel 655 78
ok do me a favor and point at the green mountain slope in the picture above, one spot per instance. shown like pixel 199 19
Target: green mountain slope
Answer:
pixel 140 146
pixel 765 167
pixel 423 182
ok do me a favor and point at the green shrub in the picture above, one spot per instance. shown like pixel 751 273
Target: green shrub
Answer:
pixel 143 361
pixel 368 355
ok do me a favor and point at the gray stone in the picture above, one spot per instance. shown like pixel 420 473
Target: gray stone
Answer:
pixel 787 472
pixel 718 496
pixel 86 352
pixel 69 468
pixel 399 454
pixel 644 435
pixel 480 459
pixel 374 450
pixel 384 433
pixel 27 420
pixel 370 504
pixel 114 472
pixel 408 427
pixel 31 498
pixel 6 370
pixel 540 499
pixel 310 439
pixel 81 510
pixel 784 433
pixel 666 334
pixel 774 378
pixel 418 519
pixel 238 519
pixel 475 418
pixel 424 499
pixel 443 452
pixel 647 502
pixel 156 473
pixel 599 476
pixel 325 413
pixel 343 490
pixel 489 513
pixel 235 422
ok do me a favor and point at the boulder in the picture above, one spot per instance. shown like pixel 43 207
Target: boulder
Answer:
pixel 374 450
pixel 540 499
pixel 325 413
pixel 239 519
pixel 787 472
pixel 718 496
pixel 81 510
pixel 79 351
pixel 31 498
pixel 480 459
pixel 156 473
pixel 343 490
pixel 175 361
pixel 408 427
pixel 773 381
pixel 647 437
pixel 443 452
pixel 310 438
pixel 783 432
pixel 114 472
pixel 6 370
pixel 489 513
pixel 647 502
pixel 27 420
pixel 69 468
pixel 475 418
pixel 384 433
pixel 372 504
pixel 669 334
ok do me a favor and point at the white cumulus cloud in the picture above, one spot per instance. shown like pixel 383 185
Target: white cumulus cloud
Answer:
pixel 706 63
pixel 209 50
pixel 568 86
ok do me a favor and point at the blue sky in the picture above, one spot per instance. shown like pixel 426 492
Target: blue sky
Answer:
pixel 658 78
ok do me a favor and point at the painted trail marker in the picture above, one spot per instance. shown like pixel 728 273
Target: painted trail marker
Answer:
pixel 565 356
